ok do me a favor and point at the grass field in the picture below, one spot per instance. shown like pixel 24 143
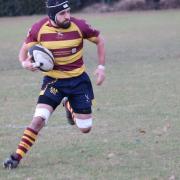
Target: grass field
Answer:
pixel 136 134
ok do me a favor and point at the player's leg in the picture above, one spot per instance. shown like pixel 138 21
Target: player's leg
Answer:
pixel 41 116
pixel 46 104
pixel 81 103
pixel 83 121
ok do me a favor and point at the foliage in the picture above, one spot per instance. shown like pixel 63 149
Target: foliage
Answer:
pixel 21 7
pixel 29 7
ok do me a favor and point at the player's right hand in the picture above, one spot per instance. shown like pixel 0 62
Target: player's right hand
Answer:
pixel 27 64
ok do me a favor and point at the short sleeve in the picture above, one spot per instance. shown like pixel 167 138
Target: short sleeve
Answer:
pixel 32 36
pixel 88 32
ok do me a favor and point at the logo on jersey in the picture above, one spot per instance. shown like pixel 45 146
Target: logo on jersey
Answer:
pixel 74 50
pixel 59 35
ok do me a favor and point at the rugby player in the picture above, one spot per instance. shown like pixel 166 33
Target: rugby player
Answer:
pixel 63 35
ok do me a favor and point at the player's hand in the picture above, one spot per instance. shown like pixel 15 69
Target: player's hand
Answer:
pixel 100 75
pixel 27 64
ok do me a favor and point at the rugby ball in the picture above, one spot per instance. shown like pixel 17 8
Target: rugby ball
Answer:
pixel 42 58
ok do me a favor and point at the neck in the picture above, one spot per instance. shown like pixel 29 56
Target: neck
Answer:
pixel 53 23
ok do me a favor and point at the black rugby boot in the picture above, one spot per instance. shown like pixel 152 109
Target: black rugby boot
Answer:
pixel 11 162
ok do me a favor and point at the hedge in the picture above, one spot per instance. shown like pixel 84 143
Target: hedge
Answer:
pixel 21 7
pixel 29 7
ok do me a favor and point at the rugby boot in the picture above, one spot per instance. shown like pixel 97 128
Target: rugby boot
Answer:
pixel 69 114
pixel 11 162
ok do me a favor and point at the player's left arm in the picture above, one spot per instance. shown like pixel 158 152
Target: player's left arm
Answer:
pixel 100 71
pixel 94 36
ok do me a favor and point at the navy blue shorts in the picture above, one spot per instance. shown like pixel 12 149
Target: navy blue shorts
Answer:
pixel 78 90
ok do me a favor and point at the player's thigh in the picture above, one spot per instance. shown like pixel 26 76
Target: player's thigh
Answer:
pixel 50 93
pixel 81 99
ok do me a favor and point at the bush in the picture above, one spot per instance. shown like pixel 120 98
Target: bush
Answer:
pixel 166 4
pixel 130 5
pixel 21 7
pixel 29 7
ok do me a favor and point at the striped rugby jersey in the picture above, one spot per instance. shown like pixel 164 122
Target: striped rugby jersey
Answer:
pixel 65 44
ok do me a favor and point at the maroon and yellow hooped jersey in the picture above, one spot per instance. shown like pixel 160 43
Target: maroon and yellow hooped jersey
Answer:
pixel 65 44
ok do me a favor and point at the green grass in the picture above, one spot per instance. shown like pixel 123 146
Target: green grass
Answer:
pixel 136 116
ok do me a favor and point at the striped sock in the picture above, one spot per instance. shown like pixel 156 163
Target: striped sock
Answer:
pixel 28 139
pixel 71 110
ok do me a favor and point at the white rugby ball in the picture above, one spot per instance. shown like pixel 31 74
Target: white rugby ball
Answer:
pixel 42 58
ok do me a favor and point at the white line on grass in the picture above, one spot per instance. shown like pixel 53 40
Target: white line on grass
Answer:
pixel 12 126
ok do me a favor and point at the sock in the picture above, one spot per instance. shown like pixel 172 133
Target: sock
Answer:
pixel 28 139
pixel 71 110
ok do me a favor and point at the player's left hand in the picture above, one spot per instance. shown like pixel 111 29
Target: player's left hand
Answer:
pixel 100 76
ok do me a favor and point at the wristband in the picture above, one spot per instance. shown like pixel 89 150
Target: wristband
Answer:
pixel 101 67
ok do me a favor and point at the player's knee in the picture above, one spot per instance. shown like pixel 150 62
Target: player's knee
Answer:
pixel 37 124
pixel 42 113
pixel 84 125
pixel 85 130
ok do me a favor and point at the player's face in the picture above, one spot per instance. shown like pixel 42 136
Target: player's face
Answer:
pixel 63 19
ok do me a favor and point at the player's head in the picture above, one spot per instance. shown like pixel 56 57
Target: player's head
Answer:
pixel 59 12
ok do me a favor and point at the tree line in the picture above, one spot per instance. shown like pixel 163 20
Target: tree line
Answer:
pixel 29 7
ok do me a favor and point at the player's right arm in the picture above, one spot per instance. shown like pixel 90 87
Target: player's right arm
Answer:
pixel 25 59
pixel 31 39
